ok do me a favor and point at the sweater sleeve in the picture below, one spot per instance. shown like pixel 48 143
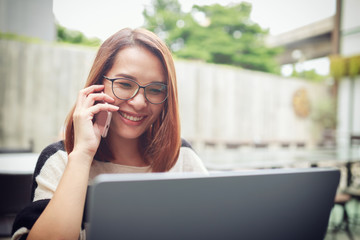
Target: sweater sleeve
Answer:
pixel 188 160
pixel 48 171
pixel 26 219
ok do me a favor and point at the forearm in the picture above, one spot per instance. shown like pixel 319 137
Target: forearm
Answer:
pixel 62 217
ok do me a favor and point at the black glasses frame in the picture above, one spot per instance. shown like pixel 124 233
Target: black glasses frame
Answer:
pixel 112 80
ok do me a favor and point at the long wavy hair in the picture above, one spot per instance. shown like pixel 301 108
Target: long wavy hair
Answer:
pixel 160 144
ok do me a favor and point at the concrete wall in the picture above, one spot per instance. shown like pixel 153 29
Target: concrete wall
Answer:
pixel 350 28
pixel 227 105
pixel 39 85
pixel 348 110
pixel 219 104
pixel 32 18
pixel 349 89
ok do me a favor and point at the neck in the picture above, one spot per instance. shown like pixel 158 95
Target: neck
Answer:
pixel 126 151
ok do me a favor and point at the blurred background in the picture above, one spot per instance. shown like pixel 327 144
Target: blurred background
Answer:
pixel 276 74
pixel 262 84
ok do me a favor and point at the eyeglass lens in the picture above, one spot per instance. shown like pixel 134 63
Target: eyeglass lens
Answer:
pixel 126 89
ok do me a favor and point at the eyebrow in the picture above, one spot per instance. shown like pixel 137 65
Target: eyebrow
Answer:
pixel 124 75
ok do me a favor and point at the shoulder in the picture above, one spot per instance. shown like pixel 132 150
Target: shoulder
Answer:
pixel 49 167
pixel 185 143
pixel 47 153
pixel 188 160
pixel 52 149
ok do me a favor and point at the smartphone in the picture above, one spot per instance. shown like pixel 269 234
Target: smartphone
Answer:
pixel 103 120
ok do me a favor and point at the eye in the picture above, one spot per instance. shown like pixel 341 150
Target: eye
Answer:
pixel 156 89
pixel 124 84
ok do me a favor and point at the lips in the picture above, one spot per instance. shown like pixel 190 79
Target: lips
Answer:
pixel 133 118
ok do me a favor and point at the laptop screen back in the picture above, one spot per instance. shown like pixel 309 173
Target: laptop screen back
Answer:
pixel 262 204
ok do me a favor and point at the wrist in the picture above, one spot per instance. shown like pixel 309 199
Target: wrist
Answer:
pixel 81 157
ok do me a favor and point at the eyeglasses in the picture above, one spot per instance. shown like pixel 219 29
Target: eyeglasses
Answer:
pixel 125 89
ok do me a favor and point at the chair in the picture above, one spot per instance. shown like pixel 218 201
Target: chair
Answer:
pixel 353 181
pixel 355 140
pixel 341 199
pixel 15 190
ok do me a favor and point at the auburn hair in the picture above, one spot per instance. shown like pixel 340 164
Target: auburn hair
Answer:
pixel 160 144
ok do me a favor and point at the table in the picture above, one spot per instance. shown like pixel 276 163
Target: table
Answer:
pixel 16 171
pixel 229 159
pixel 18 163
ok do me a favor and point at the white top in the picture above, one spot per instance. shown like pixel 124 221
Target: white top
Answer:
pixel 51 165
pixel 54 167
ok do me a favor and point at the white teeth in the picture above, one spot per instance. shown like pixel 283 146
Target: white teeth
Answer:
pixel 131 118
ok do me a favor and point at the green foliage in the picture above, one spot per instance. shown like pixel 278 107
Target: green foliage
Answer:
pixel 214 33
pixel 13 36
pixel 310 75
pixel 75 37
pixel 324 113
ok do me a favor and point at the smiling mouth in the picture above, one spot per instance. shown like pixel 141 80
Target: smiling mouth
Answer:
pixel 131 118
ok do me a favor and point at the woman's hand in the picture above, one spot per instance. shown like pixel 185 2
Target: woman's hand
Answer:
pixel 62 217
pixel 87 134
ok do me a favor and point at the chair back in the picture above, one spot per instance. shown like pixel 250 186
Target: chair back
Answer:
pixel 15 191
pixel 355 140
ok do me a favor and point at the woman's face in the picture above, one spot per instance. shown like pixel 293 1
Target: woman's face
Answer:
pixel 135 115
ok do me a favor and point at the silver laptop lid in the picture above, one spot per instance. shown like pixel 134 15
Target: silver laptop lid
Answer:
pixel 262 204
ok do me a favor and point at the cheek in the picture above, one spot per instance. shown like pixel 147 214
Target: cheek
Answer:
pixel 156 110
pixel 108 90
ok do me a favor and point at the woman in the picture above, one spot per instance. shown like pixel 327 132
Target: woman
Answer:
pixel 133 77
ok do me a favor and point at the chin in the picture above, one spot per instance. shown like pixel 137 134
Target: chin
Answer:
pixel 127 134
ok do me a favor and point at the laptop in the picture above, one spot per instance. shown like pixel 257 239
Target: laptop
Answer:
pixel 262 204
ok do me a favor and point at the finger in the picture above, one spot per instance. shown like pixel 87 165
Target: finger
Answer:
pixel 95 109
pixel 89 113
pixel 101 97
pixel 83 94
pixel 97 97
pixel 92 88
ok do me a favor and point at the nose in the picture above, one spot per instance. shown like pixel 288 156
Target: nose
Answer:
pixel 139 101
